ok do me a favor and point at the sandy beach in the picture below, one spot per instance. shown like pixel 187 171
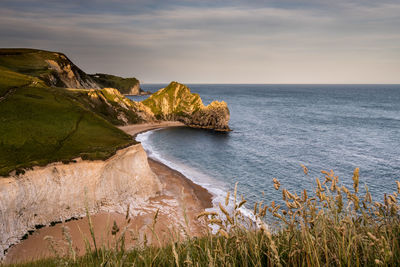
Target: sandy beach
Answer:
pixel 135 129
pixel 180 196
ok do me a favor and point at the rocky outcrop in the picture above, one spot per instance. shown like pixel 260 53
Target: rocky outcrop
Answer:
pixel 57 70
pixel 114 107
pixel 135 90
pixel 65 74
pixel 61 191
pixel 172 103
pixel 214 116
pixel 175 102
pixel 128 86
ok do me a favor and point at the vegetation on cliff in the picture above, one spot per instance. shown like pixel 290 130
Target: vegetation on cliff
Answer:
pixel 47 113
pixel 332 226
pixel 113 106
pixel 42 124
pixel 57 70
pixel 129 86
pixel 54 68
pixel 176 102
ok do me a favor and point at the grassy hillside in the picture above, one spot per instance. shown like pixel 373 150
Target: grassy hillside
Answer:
pixel 172 101
pixel 26 61
pixel 35 63
pixel 41 124
pixel 110 104
pixel 123 85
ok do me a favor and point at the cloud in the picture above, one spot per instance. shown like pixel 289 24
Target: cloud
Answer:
pixel 215 41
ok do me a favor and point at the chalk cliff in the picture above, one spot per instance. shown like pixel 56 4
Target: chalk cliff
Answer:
pixel 59 191
pixel 64 73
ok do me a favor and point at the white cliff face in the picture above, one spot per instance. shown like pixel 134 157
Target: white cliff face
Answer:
pixel 68 74
pixel 135 90
pixel 60 191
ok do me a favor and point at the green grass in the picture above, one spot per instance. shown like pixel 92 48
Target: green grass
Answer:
pixel 32 62
pixel 333 226
pixel 40 125
pixel 9 79
pixel 103 109
pixel 122 84
pixel 188 102
pixel 26 61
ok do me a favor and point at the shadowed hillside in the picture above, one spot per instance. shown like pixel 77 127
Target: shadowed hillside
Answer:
pixel 41 124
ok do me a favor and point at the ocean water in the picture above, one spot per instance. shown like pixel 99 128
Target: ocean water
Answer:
pixel 278 127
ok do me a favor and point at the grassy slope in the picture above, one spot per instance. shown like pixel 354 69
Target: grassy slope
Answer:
pixel 9 79
pixel 32 62
pixel 41 125
pixel 122 84
pixel 110 113
pixel 186 99
pixel 26 61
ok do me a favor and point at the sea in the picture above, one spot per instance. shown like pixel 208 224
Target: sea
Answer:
pixel 276 128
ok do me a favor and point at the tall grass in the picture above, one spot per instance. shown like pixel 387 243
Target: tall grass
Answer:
pixel 333 225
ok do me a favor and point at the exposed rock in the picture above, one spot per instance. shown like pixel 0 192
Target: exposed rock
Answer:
pixel 135 90
pixel 128 86
pixel 66 74
pixel 114 107
pixel 57 70
pixel 59 191
pixel 176 102
pixel 214 116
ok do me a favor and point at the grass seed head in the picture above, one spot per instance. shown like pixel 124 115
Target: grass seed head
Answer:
pixel 227 198
pixel 356 177
pixel 223 233
pixel 242 203
pixel 305 170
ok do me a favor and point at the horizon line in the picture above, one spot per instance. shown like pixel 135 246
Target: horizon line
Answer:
pixel 275 83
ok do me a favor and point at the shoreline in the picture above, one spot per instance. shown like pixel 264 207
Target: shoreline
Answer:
pixel 135 129
pixel 180 197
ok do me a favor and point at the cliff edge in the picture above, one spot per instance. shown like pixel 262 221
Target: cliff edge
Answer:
pixel 57 70
pixel 54 68
pixel 127 86
pixel 59 191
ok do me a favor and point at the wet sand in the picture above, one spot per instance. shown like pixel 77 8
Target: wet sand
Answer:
pixel 180 196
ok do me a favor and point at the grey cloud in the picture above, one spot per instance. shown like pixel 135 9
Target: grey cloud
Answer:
pixel 264 41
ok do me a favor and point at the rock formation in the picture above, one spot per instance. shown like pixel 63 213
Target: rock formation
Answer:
pixel 57 70
pixel 61 191
pixel 128 86
pixel 114 107
pixel 176 102
pixel 214 116
pixel 65 74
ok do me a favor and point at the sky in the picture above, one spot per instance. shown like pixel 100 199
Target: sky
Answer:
pixel 215 41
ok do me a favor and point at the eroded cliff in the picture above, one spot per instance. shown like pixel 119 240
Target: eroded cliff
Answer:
pixel 57 70
pixel 66 74
pixel 114 107
pixel 61 191
pixel 176 102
